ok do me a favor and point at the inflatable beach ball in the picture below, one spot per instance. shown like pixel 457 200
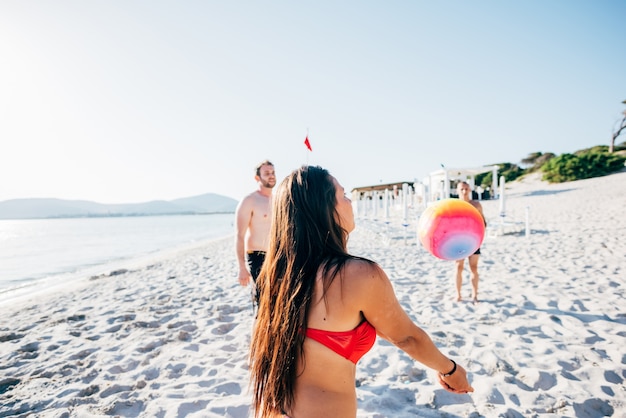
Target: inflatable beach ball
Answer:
pixel 451 229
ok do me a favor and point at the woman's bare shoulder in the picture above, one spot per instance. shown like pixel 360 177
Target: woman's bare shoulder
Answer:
pixel 362 271
pixel 366 285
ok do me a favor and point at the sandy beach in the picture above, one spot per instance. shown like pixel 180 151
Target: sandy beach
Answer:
pixel 169 338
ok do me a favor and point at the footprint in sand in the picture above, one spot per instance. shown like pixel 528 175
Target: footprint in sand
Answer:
pixel 122 318
pixel 175 370
pixel 124 368
pixel 594 408
pixel 8 383
pixel 223 329
pixel 145 324
pixel 10 337
pixel 230 348
pixel 229 388
pixel 82 354
pixel 162 299
pixel 413 375
pixel 152 373
pixel 240 411
pixel 151 346
pixel 188 326
pixel 125 408
pixel 112 390
pixel 113 329
pixel 29 351
pixel 88 391
pixel 195 371
pixel 188 408
pixel 535 379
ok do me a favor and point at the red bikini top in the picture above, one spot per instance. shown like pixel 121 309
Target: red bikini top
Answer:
pixel 351 345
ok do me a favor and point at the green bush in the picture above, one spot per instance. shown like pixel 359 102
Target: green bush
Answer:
pixel 594 149
pixel 582 165
pixel 508 170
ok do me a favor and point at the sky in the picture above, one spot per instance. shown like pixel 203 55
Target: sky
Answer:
pixel 136 100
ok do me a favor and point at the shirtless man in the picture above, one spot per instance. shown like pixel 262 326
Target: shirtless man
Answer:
pixel 465 193
pixel 253 226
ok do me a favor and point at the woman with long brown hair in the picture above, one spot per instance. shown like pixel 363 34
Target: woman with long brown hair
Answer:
pixel 321 308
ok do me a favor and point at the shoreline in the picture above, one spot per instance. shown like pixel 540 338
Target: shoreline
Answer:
pixel 113 215
pixel 15 294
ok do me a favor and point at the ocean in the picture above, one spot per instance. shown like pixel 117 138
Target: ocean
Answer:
pixel 42 252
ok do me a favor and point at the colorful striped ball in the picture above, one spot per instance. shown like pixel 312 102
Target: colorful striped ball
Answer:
pixel 451 229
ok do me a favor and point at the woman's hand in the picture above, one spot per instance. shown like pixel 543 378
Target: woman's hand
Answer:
pixel 456 382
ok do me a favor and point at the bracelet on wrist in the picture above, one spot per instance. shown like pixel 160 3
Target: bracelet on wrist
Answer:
pixel 451 372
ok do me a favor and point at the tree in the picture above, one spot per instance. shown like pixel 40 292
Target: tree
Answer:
pixel 619 130
pixel 536 160
pixel 532 157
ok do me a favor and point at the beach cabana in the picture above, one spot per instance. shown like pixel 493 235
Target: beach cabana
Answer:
pixel 438 182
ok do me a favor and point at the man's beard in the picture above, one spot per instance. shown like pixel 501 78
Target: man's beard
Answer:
pixel 267 184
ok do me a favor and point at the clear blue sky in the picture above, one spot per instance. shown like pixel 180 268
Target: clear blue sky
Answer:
pixel 129 101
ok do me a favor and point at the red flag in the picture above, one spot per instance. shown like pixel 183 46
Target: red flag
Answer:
pixel 307 143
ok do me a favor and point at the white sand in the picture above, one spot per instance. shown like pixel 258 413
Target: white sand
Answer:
pixel 170 339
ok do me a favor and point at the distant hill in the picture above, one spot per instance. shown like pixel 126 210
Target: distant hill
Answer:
pixel 58 208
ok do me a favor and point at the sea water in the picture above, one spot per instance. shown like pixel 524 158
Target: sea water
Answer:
pixel 39 252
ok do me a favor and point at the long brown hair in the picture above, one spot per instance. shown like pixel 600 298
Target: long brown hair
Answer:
pixel 304 236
